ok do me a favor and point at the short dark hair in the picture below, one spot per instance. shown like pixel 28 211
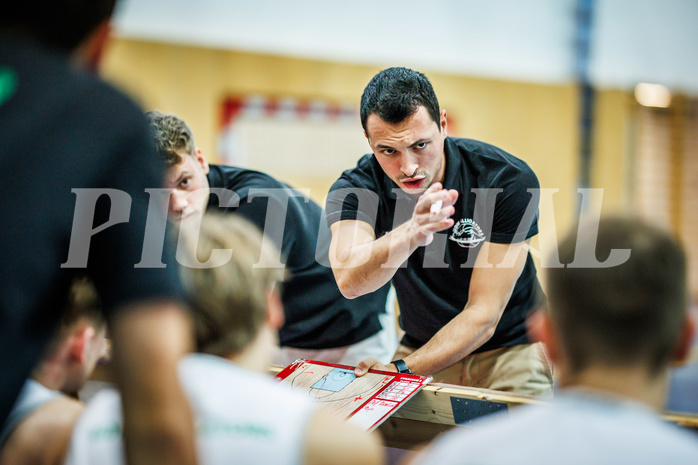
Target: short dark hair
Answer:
pixel 630 314
pixel 172 135
pixel 61 24
pixel 395 94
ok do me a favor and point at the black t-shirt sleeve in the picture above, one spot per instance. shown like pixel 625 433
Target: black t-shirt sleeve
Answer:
pixel 516 209
pixel 350 200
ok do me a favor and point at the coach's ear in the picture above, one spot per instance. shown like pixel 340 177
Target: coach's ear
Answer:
pixel 443 123
pixel 685 340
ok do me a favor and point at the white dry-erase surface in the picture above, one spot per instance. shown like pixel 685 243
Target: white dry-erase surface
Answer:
pixel 365 401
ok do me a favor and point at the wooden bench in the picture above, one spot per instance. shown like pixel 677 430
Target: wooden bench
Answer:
pixel 440 407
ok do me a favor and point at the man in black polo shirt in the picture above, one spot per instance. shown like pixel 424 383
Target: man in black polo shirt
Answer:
pixel 320 324
pixel 431 214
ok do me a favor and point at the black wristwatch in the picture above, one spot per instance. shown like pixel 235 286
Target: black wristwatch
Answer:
pixel 401 367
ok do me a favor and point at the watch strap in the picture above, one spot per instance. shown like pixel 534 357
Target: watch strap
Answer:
pixel 401 366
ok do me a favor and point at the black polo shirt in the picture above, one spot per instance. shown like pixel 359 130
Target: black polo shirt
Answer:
pixel 317 315
pixel 498 202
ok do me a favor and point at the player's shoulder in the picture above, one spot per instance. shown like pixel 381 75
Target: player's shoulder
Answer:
pixel 217 387
pixel 366 174
pixel 491 165
pixel 484 152
pixel 43 436
pixel 108 107
pixel 487 434
pixel 52 93
pixel 243 179
pixel 366 166
pixel 250 184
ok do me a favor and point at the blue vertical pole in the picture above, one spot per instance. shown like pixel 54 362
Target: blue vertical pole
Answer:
pixel 584 17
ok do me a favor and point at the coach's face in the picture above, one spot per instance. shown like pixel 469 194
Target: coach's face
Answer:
pixel 411 152
pixel 189 186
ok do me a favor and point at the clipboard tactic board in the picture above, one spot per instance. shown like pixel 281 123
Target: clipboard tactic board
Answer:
pixel 366 401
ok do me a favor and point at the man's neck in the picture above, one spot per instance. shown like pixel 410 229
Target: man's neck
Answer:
pixel 49 377
pixel 627 383
pixel 258 354
pixel 441 174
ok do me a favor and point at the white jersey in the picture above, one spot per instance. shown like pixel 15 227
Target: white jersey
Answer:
pixel 241 417
pixel 576 428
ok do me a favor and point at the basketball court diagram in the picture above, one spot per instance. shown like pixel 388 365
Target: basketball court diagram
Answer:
pixel 368 399
pixel 335 380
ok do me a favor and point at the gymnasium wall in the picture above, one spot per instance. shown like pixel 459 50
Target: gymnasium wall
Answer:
pixel 535 122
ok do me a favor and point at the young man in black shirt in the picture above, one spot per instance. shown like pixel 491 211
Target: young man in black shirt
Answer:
pixel 464 318
pixel 320 324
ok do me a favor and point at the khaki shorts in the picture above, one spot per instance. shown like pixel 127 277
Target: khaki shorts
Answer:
pixel 523 369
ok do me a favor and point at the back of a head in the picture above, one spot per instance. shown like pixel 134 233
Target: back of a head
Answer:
pixel 83 307
pixel 625 315
pixel 59 24
pixel 172 137
pixel 229 301
pixel 44 419
pixel 395 94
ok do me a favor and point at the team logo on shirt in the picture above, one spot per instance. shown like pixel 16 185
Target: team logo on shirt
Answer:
pixel 467 233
